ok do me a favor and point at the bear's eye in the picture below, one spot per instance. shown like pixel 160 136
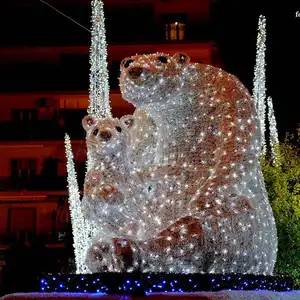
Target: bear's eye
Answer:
pixel 162 59
pixel 95 132
pixel 119 129
pixel 127 63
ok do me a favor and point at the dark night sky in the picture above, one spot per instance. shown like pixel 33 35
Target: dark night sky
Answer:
pixel 235 25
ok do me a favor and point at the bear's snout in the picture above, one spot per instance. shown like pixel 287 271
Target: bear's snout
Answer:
pixel 135 72
pixel 105 135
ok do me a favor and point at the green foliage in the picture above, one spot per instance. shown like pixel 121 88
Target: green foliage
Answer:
pixel 283 185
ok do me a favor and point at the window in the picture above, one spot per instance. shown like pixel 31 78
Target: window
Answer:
pixel 174 26
pixel 74 72
pixel 72 116
pixel 22 219
pixel 175 31
pixel 114 74
pixel 45 221
pixel 80 170
pixel 32 168
pixel 15 169
pixel 24 115
pixel 81 103
pixel 22 171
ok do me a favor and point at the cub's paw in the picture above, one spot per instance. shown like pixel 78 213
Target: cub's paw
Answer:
pixel 92 180
pixel 100 258
pixel 127 254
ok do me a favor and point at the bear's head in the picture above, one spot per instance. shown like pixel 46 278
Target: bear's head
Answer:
pixel 152 78
pixel 106 137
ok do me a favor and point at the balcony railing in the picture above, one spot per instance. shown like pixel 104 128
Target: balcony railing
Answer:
pixel 45 238
pixel 52 130
pixel 26 131
pixel 39 183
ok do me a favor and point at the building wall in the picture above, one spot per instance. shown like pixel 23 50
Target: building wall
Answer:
pixel 197 11
pixel 76 100
pixel 35 150
pixel 67 101
pixel 62 70
pixel 53 55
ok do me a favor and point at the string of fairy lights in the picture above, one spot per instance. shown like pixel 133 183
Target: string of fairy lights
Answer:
pixel 99 107
pixel 259 89
pixel 274 141
pixel 77 219
pixel 99 85
pixel 262 103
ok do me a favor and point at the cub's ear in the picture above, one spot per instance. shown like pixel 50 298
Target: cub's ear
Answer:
pixel 126 62
pixel 88 122
pixel 181 58
pixel 127 121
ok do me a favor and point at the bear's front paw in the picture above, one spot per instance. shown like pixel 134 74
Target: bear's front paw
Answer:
pixel 186 231
pixel 93 179
pixel 215 206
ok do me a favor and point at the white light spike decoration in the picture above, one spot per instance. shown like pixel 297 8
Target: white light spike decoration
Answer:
pixel 77 219
pixel 274 140
pixel 259 89
pixel 99 85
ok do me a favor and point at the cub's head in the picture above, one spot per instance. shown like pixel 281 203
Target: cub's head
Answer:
pixel 106 136
pixel 152 78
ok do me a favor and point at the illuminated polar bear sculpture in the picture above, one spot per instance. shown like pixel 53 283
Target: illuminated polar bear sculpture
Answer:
pixel 217 217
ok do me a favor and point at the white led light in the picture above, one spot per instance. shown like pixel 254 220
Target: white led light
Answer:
pixel 99 85
pixel 259 84
pixel 77 219
pixel 274 141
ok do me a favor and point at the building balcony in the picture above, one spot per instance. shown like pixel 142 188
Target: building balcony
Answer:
pixel 50 239
pixel 67 68
pixel 47 252
pixel 51 130
pixel 37 183
pixel 33 131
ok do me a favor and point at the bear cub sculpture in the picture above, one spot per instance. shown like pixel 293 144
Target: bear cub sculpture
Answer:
pixel 111 192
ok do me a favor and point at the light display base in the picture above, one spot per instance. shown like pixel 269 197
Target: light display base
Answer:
pixel 223 295
pixel 140 284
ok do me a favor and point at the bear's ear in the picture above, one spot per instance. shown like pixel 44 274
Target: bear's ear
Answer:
pixel 181 58
pixel 126 62
pixel 88 122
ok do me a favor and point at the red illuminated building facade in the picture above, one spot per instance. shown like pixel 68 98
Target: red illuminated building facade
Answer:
pixel 44 93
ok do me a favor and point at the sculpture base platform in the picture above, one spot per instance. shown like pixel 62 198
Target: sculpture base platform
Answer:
pixel 222 295
pixel 140 284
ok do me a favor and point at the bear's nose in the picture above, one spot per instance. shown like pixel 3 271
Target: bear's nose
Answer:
pixel 105 135
pixel 135 72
